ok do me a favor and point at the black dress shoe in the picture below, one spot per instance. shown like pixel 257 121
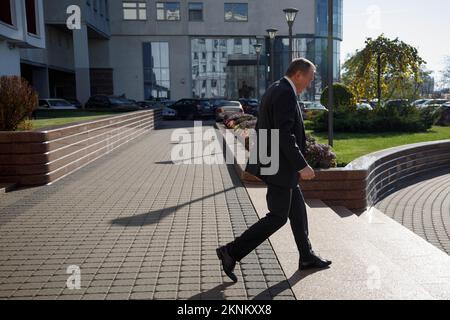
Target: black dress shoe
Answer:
pixel 228 263
pixel 315 262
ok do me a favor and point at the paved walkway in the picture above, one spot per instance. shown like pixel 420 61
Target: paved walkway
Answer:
pixel 138 226
pixel 423 207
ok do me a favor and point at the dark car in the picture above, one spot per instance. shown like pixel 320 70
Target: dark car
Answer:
pixel 217 102
pixel 396 103
pixel 75 102
pixel 101 102
pixel 191 109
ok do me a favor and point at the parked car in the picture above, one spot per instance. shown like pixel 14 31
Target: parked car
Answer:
pixel 228 108
pixel 251 106
pixel 152 104
pixel 396 103
pixel 312 106
pixel 364 106
pixel 56 104
pixel 75 102
pixel 165 103
pixel 217 102
pixel 419 102
pixel 169 114
pixel 191 109
pixel 147 104
pixel 434 103
pixel 114 103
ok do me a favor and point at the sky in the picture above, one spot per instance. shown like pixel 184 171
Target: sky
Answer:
pixel 423 24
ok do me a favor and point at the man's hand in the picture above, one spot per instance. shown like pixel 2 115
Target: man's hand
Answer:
pixel 307 173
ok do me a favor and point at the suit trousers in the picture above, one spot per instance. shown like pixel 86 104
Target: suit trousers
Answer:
pixel 283 204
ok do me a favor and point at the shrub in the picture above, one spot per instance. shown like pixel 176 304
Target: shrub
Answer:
pixel 396 119
pixel 319 156
pixel 343 97
pixel 17 102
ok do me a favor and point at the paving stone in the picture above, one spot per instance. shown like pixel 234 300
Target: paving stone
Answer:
pixel 113 218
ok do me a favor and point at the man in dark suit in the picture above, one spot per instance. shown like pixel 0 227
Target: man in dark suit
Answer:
pixel 280 111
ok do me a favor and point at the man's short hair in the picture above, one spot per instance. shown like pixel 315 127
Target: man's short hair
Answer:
pixel 301 64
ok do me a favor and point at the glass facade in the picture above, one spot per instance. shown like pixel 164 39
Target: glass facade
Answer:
pixel 322 18
pixel 312 48
pixel 226 67
pixel 156 70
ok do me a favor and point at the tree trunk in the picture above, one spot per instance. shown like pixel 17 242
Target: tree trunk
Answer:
pixel 379 79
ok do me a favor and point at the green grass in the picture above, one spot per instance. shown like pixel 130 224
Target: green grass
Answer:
pixel 61 117
pixel 350 146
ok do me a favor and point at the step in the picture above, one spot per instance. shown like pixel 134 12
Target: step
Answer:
pixel 369 255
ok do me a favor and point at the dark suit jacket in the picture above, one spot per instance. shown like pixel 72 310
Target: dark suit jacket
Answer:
pixel 279 110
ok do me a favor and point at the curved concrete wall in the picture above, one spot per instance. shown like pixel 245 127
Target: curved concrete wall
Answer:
pixel 390 168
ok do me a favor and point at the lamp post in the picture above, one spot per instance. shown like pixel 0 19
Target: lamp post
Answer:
pixel 291 14
pixel 272 34
pixel 330 73
pixel 258 48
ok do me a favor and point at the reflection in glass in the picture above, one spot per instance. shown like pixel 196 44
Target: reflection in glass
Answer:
pixel 229 68
pixel 156 70
pixel 236 11
pixel 168 11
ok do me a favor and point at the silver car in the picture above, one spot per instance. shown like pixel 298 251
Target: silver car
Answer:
pixel 56 104
pixel 229 107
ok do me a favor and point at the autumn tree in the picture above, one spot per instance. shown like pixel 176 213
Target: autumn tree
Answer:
pixel 381 68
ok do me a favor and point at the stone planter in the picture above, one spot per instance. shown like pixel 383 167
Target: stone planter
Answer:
pixel 32 158
pixel 368 179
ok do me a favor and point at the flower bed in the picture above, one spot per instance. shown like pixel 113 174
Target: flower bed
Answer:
pixel 319 156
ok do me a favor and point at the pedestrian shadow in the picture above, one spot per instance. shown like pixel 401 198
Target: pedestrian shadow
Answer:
pixel 284 285
pixel 216 293
pixel 153 217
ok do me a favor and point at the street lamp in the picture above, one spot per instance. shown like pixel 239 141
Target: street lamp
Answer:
pixel 258 48
pixel 291 14
pixel 330 73
pixel 272 34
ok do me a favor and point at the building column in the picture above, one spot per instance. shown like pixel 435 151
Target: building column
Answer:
pixel 82 66
pixel 10 59
pixel 41 82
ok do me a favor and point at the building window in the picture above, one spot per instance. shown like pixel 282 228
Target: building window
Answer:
pixel 30 6
pixel 168 11
pixel 236 12
pixel 156 70
pixel 135 11
pixel 195 11
pixel 5 12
